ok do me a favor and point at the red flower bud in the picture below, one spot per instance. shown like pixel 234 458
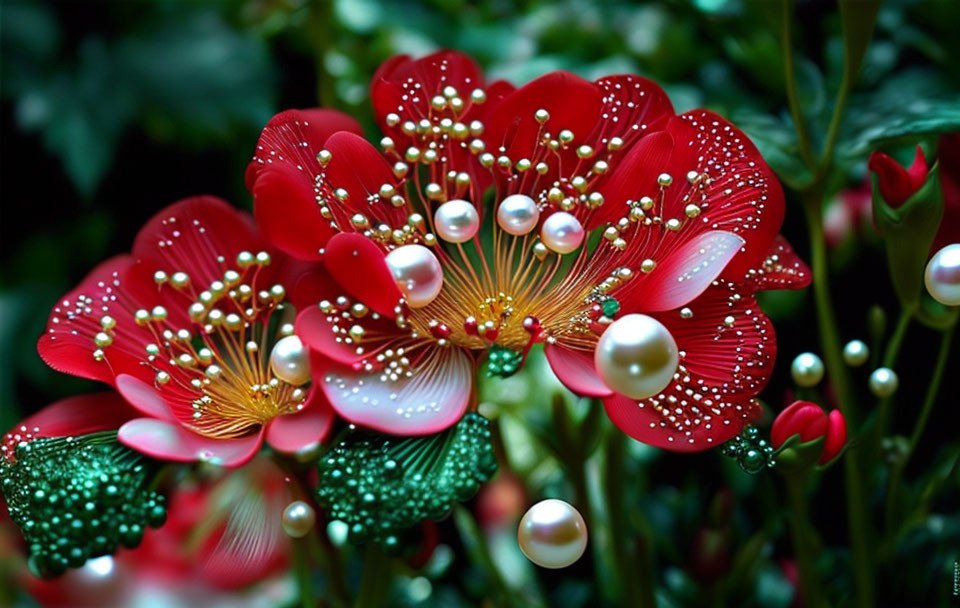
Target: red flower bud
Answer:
pixel 810 422
pixel 896 183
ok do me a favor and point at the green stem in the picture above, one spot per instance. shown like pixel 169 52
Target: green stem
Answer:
pixel 477 548
pixel 834 128
pixel 889 360
pixel 801 535
pixel 301 566
pixel 376 578
pixel 786 8
pixel 933 389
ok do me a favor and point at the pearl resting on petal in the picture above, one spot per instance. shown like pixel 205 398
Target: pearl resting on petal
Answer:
pixel 518 214
pixel 942 275
pixel 552 534
pixel 417 272
pixel 290 361
pixel 562 232
pixel 456 221
pixel 636 356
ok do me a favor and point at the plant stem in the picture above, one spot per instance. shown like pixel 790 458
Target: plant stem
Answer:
pixel 301 566
pixel 800 534
pixel 786 9
pixel 889 360
pixel 477 548
pixel 933 389
pixel 376 578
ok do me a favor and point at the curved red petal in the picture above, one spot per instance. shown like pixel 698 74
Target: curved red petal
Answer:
pixel 309 426
pixel 144 397
pixel 359 266
pixel 74 416
pixel 782 427
pixel 809 421
pixel 633 106
pixel 285 205
pixel 781 269
pixel 836 437
pixel 174 442
pixel 575 369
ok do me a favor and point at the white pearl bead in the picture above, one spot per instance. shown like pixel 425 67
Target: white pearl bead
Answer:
pixel 518 214
pixel 298 519
pixel 552 534
pixel 417 272
pixel 807 370
pixel 855 353
pixel 884 382
pixel 636 356
pixel 290 361
pixel 942 276
pixel 561 232
pixel 456 221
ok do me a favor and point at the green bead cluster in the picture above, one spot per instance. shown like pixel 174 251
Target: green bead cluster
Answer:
pixel 76 498
pixel 502 361
pixel 752 453
pixel 380 485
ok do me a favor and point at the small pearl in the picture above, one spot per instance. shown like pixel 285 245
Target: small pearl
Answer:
pixel 298 519
pixel 417 272
pixel 518 214
pixel 552 534
pixel 562 232
pixel 942 276
pixel 856 353
pixel 290 361
pixel 884 382
pixel 807 370
pixel 456 221
pixel 636 356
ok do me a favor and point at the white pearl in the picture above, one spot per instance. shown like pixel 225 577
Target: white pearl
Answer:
pixel 636 356
pixel 552 534
pixel 417 272
pixel 942 276
pixel 856 353
pixel 290 361
pixel 298 519
pixel 518 214
pixel 456 221
pixel 884 382
pixel 807 370
pixel 561 232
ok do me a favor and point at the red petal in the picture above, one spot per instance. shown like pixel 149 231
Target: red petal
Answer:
pixel 894 182
pixel 359 266
pixel 781 269
pixel 632 107
pixel 634 176
pixel 144 397
pixel 575 369
pixel 836 437
pixel 78 415
pixel 432 399
pixel 285 204
pixel 174 442
pixel 780 431
pixel 310 425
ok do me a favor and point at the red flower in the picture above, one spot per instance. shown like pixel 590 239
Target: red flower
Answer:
pixel 896 183
pixel 688 210
pixel 181 328
pixel 810 422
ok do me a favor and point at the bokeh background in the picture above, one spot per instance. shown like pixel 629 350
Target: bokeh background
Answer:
pixel 112 110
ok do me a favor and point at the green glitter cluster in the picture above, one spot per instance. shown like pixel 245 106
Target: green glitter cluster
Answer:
pixel 752 453
pixel 76 498
pixel 379 485
pixel 502 361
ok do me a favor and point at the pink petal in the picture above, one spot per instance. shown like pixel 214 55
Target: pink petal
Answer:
pixel 78 415
pixel 434 398
pixel 171 441
pixel 359 266
pixel 836 437
pixel 575 369
pixel 310 425
pixel 144 397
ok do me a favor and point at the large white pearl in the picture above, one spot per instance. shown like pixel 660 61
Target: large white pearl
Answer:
pixel 298 519
pixel 552 534
pixel 807 369
pixel 856 353
pixel 942 275
pixel 636 356
pixel 417 272
pixel 561 232
pixel 456 221
pixel 290 361
pixel 518 214
pixel 884 382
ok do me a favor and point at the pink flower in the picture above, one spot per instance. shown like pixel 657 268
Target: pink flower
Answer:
pixel 897 183
pixel 810 422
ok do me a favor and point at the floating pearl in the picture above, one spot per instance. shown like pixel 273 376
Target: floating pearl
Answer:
pixel 456 221
pixel 552 534
pixel 636 356
pixel 562 232
pixel 290 361
pixel 855 353
pixel 518 214
pixel 417 272
pixel 942 276
pixel 298 519
pixel 884 382
pixel 807 370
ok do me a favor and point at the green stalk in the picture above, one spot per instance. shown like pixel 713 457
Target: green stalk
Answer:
pixel 376 578
pixel 301 560
pixel 786 8
pixel 889 360
pixel 933 389
pixel 801 535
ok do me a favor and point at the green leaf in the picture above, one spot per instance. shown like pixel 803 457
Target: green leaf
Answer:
pixel 777 141
pixel 858 18
pixel 908 232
